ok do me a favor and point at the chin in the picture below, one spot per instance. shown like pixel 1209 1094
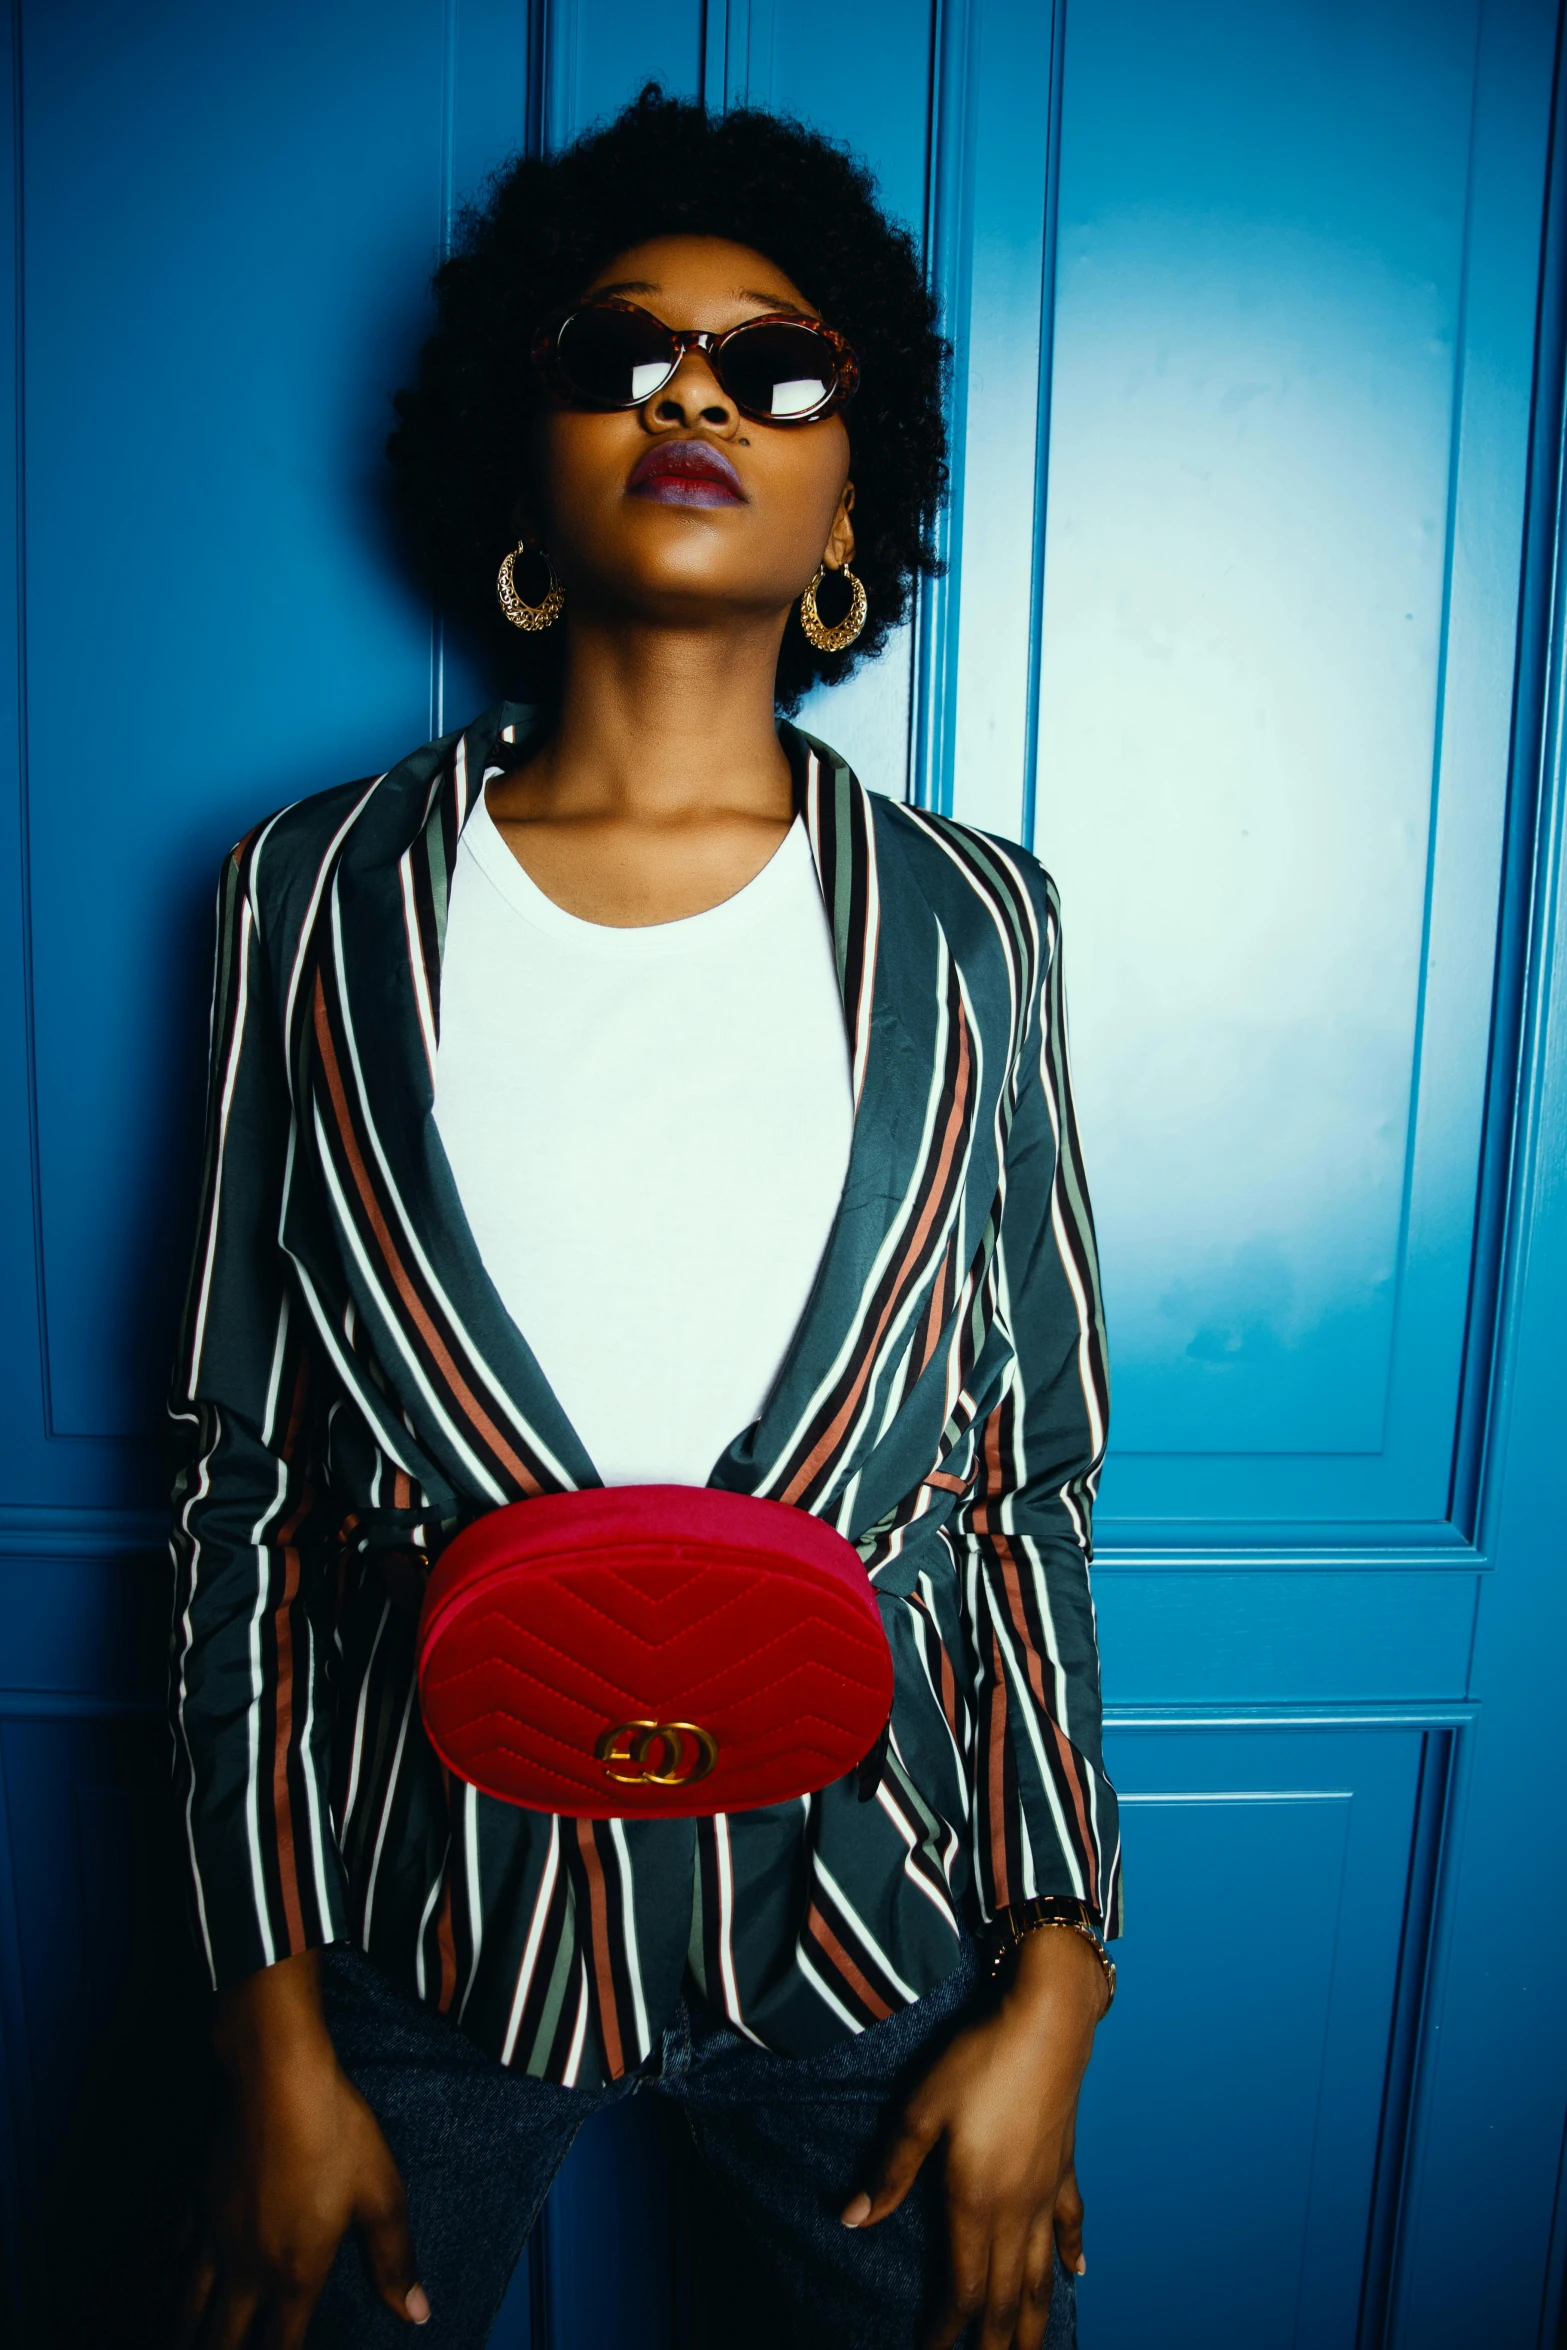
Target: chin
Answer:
pixel 687 594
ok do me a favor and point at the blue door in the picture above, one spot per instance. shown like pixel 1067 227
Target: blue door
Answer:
pixel 1252 627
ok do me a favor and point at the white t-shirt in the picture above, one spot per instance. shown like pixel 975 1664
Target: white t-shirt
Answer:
pixel 649 1131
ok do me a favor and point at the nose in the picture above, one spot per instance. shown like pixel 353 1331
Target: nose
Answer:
pixel 693 395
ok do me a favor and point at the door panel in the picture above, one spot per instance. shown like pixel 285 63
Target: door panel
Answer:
pixel 1245 303
pixel 1244 1634
pixel 1273 798
pixel 204 570
pixel 1230 2125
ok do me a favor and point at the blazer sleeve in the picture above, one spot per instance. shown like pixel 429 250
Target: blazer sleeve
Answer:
pixel 251 1647
pixel 1044 1813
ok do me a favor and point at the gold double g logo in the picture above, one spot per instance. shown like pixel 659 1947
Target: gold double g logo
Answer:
pixel 656 1754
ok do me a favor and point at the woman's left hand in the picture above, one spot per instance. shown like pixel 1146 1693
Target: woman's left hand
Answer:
pixel 1002 2103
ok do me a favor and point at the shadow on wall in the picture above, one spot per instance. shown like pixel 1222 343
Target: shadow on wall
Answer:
pixel 120 2069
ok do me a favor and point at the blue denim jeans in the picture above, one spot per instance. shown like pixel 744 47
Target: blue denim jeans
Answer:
pixel 785 2141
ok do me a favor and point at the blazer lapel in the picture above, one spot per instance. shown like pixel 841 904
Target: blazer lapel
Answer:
pixel 463 1370
pixel 891 1270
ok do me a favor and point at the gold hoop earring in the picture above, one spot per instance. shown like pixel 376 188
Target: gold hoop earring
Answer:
pixel 532 617
pixel 839 639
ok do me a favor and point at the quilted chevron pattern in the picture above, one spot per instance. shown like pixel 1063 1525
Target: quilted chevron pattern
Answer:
pixel 553 1624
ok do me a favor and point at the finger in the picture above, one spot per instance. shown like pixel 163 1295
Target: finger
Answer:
pixel 287 2322
pixel 230 2315
pixel 900 2168
pixel 1003 2294
pixel 968 2269
pixel 1033 2317
pixel 1069 2225
pixel 390 2253
pixel 194 2296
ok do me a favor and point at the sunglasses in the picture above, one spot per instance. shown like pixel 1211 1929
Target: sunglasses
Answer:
pixel 777 369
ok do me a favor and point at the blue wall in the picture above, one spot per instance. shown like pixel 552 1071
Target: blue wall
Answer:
pixel 1250 628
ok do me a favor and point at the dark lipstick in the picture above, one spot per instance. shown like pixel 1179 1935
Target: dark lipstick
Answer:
pixel 686 473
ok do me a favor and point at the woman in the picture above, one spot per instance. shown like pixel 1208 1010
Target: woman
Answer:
pixel 606 1079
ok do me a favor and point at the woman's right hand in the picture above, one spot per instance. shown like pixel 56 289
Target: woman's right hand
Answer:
pixel 297 2159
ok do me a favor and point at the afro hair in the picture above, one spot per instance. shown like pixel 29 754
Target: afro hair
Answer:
pixel 546 227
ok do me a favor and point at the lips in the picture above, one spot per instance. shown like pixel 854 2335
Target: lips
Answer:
pixel 686 473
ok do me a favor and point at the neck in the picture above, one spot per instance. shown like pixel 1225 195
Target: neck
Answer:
pixel 664 722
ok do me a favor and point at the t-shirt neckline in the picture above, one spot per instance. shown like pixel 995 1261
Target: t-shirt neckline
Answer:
pixel 766 890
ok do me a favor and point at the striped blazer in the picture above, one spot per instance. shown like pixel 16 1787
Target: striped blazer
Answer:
pixel 349 1390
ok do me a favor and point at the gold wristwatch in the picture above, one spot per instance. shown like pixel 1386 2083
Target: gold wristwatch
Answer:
pixel 1013 1925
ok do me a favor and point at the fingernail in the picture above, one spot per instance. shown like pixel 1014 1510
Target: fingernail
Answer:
pixel 858 2213
pixel 1082 2267
pixel 418 2305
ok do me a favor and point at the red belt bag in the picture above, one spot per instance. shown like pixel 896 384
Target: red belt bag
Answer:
pixel 651 1652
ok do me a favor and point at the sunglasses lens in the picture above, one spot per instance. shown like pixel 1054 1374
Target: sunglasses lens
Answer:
pixel 779 371
pixel 614 358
